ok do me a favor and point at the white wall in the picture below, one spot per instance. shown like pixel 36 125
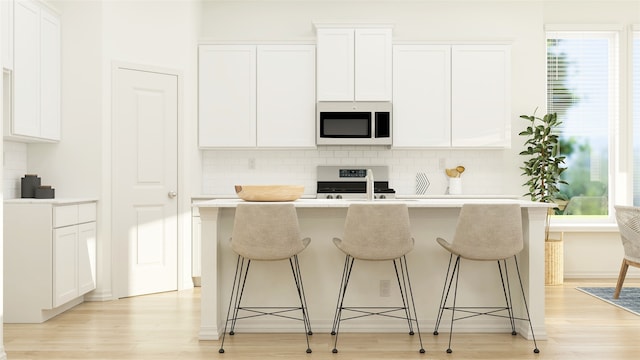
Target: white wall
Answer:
pixel 15 167
pixel 94 35
pixel 162 34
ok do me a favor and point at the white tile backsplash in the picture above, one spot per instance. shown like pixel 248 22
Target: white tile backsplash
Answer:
pixel 14 168
pixel 484 174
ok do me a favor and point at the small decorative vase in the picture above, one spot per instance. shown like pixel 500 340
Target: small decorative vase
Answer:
pixel 455 186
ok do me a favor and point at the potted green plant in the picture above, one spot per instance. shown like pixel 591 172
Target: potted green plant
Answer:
pixel 543 168
pixel 544 164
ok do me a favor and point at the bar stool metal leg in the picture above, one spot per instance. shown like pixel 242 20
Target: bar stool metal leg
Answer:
pixel 236 296
pixel 297 278
pixel 343 290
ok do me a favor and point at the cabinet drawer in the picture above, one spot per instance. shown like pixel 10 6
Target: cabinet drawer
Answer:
pixel 65 215
pixel 87 212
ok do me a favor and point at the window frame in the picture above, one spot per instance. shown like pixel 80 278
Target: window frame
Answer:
pixel 617 147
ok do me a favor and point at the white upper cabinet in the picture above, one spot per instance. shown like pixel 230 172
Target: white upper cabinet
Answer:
pixel 49 76
pixel 257 96
pixel 481 96
pixel 286 96
pixel 373 58
pixel 354 64
pixel 6 17
pixel 452 96
pixel 421 95
pixel 335 64
pixel 227 96
pixel 36 74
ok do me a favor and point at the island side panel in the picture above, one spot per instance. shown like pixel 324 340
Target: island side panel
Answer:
pixel 209 297
pixel 532 268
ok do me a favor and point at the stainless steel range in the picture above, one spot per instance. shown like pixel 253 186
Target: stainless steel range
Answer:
pixel 348 182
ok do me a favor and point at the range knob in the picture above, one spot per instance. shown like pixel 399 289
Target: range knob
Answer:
pixel 329 196
pixel 382 196
pixel 338 196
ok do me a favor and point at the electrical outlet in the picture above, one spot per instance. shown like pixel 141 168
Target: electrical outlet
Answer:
pixel 442 164
pixel 252 163
pixel 385 288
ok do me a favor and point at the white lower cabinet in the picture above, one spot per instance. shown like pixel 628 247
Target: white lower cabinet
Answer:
pixel 49 256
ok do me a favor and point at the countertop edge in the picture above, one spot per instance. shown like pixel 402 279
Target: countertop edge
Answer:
pixel 59 201
pixel 412 203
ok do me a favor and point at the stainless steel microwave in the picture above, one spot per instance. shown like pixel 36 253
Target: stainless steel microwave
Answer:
pixel 354 123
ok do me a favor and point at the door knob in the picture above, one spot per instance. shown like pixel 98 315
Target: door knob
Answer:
pixel 172 194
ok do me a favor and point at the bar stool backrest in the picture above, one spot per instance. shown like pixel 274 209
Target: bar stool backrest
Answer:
pixel 376 232
pixel 488 231
pixel 267 232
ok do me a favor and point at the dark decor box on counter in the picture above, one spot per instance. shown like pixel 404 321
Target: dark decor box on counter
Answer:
pixel 32 188
pixel 29 184
pixel 45 192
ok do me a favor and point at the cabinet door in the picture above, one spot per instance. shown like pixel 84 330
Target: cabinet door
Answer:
pixel 65 265
pixel 373 54
pixel 86 257
pixel 26 113
pixel 6 13
pixel 480 96
pixel 335 71
pixel 286 96
pixel 227 96
pixel 421 96
pixel 49 76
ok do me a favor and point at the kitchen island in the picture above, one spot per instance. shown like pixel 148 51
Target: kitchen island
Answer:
pixel 321 264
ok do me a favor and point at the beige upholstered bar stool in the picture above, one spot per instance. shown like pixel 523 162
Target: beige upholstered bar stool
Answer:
pixel 377 232
pixel 484 232
pixel 266 232
pixel 628 219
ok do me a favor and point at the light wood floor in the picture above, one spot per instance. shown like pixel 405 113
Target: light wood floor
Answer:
pixel 165 326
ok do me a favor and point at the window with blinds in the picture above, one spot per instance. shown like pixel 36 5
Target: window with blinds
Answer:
pixel 582 83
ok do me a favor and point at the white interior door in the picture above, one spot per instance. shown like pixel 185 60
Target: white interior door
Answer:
pixel 144 182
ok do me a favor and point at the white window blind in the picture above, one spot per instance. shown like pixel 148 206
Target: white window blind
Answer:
pixel 582 87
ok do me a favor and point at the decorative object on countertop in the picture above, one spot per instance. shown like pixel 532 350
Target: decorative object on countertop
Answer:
pixel 28 184
pixel 422 183
pixel 455 182
pixel 269 192
pixel 543 169
pixel 45 192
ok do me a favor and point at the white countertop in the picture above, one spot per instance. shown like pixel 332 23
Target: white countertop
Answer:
pixel 60 201
pixel 425 202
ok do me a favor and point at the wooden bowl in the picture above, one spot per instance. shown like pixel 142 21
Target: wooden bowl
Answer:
pixel 269 192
